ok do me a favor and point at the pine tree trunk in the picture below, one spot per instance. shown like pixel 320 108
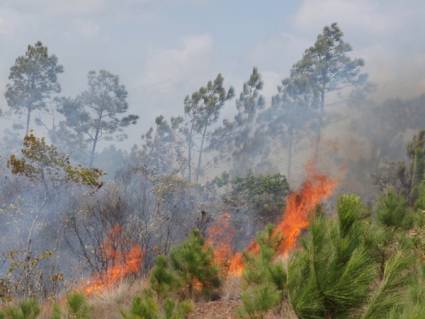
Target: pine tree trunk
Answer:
pixel 290 146
pixel 319 130
pixel 95 139
pixel 189 155
pixel 93 149
pixel 198 170
pixel 28 121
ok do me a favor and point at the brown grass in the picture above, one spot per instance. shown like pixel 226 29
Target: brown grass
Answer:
pixel 108 304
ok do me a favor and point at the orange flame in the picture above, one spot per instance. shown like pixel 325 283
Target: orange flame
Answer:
pixel 121 263
pixel 220 236
pixel 299 206
pixel 236 264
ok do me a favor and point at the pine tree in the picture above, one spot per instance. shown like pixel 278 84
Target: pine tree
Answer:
pixel 393 211
pixel 147 307
pixel 143 307
pixel 27 309
pixel 336 273
pixel 327 67
pixel 78 308
pixel 239 141
pixel 98 113
pixel 193 263
pixel 331 275
pixel 33 79
pixel 177 310
pixel 162 279
pixel 56 312
pixel 264 277
pixel 390 289
pixel 202 109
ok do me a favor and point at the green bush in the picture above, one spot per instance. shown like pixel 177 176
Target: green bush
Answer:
pixel 56 312
pixel 28 309
pixel 78 307
pixel 148 307
pixel 258 300
pixel 335 274
pixel 143 307
pixel 332 273
pixel 177 310
pixel 390 291
pixel 162 279
pixel 392 210
pixel 193 264
pixel 263 277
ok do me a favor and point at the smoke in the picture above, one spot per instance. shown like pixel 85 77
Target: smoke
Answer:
pixel 161 58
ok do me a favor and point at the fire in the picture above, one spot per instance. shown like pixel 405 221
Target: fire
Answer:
pixel 236 264
pixel 120 262
pixel 299 205
pixel 220 236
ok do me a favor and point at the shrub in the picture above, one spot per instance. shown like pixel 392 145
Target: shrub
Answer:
pixel 147 307
pixel 264 277
pixel 335 274
pixel 392 210
pixel 56 312
pixel 28 309
pixel 143 307
pixel 332 273
pixel 78 307
pixel 193 264
pixel 162 279
pixel 177 310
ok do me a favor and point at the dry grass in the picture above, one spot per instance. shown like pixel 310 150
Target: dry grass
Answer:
pixel 232 288
pixel 108 304
pixel 221 309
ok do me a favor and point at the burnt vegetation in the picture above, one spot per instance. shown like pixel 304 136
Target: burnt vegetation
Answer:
pixel 200 210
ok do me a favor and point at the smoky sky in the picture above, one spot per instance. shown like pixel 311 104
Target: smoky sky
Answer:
pixel 165 49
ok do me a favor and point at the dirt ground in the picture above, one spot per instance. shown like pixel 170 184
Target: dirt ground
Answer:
pixel 221 309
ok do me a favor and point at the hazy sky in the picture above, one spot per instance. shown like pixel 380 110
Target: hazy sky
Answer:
pixel 165 49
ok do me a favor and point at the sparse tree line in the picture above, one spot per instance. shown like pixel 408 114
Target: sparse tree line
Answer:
pixel 61 195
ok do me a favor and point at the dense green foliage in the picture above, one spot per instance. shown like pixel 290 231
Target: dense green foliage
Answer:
pixel 193 264
pixel 28 309
pixel 264 278
pixel 146 307
pixel 189 271
pixel 78 307
pixel 261 194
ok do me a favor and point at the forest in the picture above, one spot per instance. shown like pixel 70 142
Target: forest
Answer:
pixel 307 204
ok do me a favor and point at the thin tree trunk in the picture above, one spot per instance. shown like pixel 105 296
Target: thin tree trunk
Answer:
pixel 93 149
pixel 290 145
pixel 95 140
pixel 46 186
pixel 319 130
pixel 28 121
pixel 198 170
pixel 189 155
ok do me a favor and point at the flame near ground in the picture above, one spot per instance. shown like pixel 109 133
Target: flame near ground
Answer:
pixel 121 258
pixel 298 208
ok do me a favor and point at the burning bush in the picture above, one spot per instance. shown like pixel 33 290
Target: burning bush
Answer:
pixel 121 259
